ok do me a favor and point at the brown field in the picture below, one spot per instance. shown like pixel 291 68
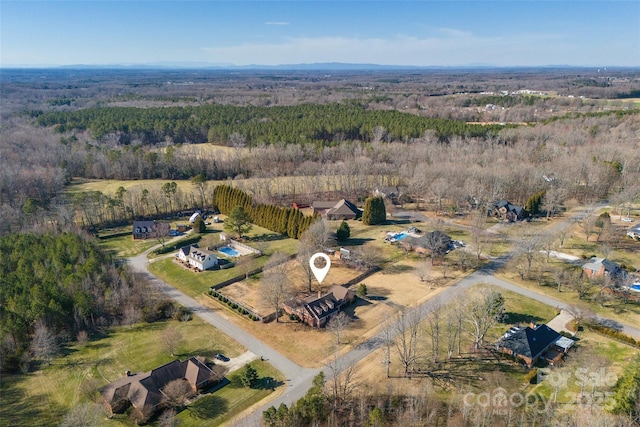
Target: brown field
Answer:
pixel 391 290
pixel 248 291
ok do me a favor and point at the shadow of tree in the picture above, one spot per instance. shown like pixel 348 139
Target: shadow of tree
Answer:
pixel 397 268
pixel 267 383
pixel 207 407
pixel 511 318
pixel 358 241
pixel 22 409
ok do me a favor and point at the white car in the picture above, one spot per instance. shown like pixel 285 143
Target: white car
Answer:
pixel 627 219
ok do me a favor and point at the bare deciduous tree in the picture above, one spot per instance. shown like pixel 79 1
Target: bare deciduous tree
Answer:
pixel 406 329
pixel 433 327
pixel 171 339
pixel 338 324
pixel 478 221
pixel 482 308
pixel 44 344
pixel 177 392
pixel 305 252
pixel 275 285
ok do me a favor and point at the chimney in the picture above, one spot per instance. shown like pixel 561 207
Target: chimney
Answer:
pixel 532 326
pixel 319 294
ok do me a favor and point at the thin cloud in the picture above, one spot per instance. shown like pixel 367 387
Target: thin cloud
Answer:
pixel 448 47
pixel 276 23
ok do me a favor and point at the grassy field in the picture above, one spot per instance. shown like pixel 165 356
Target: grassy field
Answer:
pixel 44 396
pixel 125 246
pixel 231 400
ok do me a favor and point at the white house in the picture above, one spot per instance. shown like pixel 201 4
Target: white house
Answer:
pixel 634 232
pixel 200 259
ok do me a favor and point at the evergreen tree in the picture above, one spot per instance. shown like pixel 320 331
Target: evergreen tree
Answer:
pixel 343 232
pixel 238 221
pixel 534 202
pixel 249 376
pixel 374 211
pixel 199 226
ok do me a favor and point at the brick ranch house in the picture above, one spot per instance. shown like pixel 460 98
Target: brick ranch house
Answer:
pixel 532 342
pixel 317 310
pixel 144 391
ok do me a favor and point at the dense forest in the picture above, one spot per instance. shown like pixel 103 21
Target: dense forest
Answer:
pixel 56 286
pixel 218 123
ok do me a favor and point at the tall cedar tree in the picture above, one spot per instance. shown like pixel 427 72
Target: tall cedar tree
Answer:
pixel 287 221
pixel 374 211
pixel 343 232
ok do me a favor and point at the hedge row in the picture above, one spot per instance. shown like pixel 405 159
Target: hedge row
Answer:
pixel 232 305
pixel 286 221
pixel 177 245
pixel 613 333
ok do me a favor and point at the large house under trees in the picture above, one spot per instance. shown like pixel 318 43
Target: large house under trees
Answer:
pixel 144 391
pixel 317 310
pixel 502 209
pixel 150 229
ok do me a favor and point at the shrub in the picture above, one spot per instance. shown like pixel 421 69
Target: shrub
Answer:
pixel 362 290
pixel 532 376
pixel 182 314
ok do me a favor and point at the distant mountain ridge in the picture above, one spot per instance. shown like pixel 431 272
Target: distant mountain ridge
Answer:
pixel 317 66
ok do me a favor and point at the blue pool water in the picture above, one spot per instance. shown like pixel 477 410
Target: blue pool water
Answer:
pixel 229 251
pixel 635 287
pixel 400 236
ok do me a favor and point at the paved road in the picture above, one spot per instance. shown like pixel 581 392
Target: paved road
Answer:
pixel 299 379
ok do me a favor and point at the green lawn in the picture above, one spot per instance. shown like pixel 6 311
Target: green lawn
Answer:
pixel 194 284
pixel 125 246
pixel 44 396
pixel 229 401
pixel 522 310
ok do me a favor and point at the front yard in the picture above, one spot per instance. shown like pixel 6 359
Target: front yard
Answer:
pixel 43 397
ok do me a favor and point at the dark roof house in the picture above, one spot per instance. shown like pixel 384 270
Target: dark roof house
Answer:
pixel 531 342
pixel 317 310
pixel 507 211
pixel 150 229
pixel 144 391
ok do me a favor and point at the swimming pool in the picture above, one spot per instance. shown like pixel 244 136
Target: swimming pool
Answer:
pixel 636 287
pixel 229 251
pixel 400 236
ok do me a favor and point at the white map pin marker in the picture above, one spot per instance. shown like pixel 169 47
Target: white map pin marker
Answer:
pixel 320 273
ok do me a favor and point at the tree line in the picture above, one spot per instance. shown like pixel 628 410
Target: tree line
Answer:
pixel 287 221
pixel 289 124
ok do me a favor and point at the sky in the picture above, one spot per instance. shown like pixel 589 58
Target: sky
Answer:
pixel 415 33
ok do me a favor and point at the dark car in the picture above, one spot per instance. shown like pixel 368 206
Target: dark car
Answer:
pixel 222 357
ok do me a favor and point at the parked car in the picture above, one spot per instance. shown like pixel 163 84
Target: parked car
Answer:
pixel 222 357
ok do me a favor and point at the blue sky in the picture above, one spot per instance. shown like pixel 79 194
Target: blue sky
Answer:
pixel 423 33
